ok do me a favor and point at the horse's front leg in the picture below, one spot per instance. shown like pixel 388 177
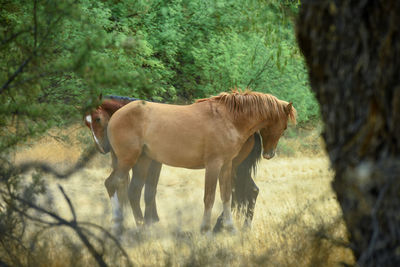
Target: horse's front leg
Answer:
pixel 225 185
pixel 139 176
pixel 211 177
pixel 237 189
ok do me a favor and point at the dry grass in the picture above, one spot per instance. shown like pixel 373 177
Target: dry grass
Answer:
pixel 296 223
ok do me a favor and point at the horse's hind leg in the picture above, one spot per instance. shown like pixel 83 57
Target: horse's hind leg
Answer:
pixel 150 190
pixel 140 171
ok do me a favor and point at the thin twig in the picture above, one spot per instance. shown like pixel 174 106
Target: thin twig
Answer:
pixel 34 219
pixel 16 73
pixel 258 74
pixel 68 201
pixel 15 35
pixel 111 237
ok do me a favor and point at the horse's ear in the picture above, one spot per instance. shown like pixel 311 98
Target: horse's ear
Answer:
pixel 289 108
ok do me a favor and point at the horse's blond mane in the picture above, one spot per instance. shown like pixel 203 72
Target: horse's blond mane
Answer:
pixel 249 103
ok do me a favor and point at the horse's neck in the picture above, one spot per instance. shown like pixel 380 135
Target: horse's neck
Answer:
pixel 249 125
pixel 112 108
pixel 112 111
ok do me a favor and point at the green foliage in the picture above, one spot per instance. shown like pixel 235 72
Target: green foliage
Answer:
pixel 56 57
pixel 194 49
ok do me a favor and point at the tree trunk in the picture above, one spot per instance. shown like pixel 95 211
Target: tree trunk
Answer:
pixel 352 52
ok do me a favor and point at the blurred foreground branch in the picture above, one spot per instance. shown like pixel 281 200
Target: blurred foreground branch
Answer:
pixel 23 205
pixel 86 156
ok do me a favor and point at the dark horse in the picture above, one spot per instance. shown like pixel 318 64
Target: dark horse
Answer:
pixel 244 193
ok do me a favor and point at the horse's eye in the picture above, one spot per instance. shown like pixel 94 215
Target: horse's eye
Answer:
pixel 97 120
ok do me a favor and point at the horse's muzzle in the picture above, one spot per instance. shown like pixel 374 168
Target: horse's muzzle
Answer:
pixel 100 148
pixel 270 154
pixel 103 147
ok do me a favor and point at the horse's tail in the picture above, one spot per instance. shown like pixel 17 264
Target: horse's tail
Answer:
pixel 249 165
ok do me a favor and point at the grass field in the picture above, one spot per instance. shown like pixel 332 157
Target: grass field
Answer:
pixel 297 219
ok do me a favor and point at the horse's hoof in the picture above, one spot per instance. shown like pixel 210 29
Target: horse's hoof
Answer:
pixel 230 229
pixel 151 221
pixel 117 231
pixel 219 225
pixel 204 229
pixel 140 224
pixel 246 226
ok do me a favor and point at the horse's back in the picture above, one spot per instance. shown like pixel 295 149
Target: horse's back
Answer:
pixel 177 135
pixel 153 117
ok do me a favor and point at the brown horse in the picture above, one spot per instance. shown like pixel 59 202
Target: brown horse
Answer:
pixel 244 193
pixel 207 134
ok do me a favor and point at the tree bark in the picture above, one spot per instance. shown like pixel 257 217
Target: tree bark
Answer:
pixel 352 52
